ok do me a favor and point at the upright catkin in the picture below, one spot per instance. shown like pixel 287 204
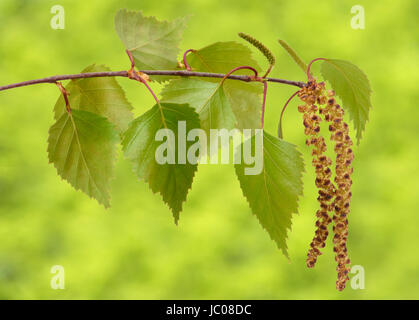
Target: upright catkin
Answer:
pixel 311 94
pixel 260 46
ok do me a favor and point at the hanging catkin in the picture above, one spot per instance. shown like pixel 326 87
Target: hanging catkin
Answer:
pixel 344 157
pixel 333 197
pixel 312 94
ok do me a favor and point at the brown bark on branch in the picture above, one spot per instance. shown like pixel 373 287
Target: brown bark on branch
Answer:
pixel 179 73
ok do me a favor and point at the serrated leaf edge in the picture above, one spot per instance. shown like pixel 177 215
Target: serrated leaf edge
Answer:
pixel 300 195
pixel 361 129
pixel 111 177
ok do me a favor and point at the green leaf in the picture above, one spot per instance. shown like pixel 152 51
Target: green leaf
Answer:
pixel 221 57
pixel 172 181
pixel 244 98
pixel 293 55
pixel 246 102
pixel 102 96
pixel 82 147
pixel 352 85
pixel 273 194
pixel 207 98
pixel 153 43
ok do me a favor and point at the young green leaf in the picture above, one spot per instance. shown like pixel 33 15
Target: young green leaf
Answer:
pixel 172 179
pixel 273 194
pixel 102 96
pixel 207 98
pixel 82 147
pixel 244 98
pixel 352 85
pixel 153 43
pixel 293 55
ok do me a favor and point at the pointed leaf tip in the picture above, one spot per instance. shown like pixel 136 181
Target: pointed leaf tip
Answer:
pixel 172 179
pixel 82 147
pixel 352 85
pixel 273 194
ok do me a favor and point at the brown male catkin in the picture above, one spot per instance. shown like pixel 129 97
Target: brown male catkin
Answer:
pixel 312 94
pixel 344 157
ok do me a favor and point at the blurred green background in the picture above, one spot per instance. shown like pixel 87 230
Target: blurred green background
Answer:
pixel 219 250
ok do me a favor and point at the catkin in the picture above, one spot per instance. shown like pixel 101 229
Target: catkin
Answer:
pixel 333 197
pixel 312 94
pixel 333 113
pixel 260 46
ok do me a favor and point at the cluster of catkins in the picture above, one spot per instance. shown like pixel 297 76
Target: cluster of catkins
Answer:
pixel 334 197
